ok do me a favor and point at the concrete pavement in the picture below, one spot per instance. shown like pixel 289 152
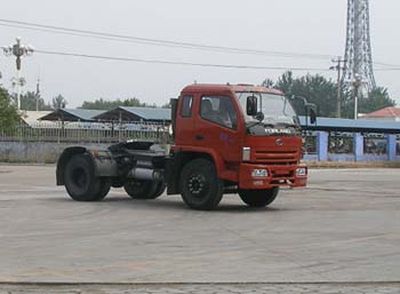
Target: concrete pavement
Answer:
pixel 343 228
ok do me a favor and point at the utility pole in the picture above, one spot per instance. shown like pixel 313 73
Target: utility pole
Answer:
pixel 37 94
pixel 18 50
pixel 339 67
pixel 357 83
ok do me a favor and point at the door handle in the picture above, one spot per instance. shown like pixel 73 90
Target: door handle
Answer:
pixel 199 137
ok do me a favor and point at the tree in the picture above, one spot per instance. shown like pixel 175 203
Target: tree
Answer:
pixel 323 92
pixel 8 114
pixel 103 104
pixel 285 83
pixel 59 102
pixel 30 100
pixel 377 99
pixel 268 83
pixel 315 88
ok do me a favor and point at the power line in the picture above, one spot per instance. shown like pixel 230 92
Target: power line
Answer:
pixel 153 42
pixel 157 42
pixel 386 64
pixel 388 69
pixel 168 62
pixel 58 32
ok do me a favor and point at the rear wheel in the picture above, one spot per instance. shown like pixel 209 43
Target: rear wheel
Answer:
pixel 144 189
pixel 160 189
pixel 105 186
pixel 200 187
pixel 259 198
pixel 80 180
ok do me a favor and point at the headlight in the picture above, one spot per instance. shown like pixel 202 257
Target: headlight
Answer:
pixel 246 153
pixel 301 172
pixel 259 173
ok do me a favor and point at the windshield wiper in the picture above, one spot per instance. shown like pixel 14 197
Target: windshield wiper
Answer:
pixel 255 123
pixel 285 124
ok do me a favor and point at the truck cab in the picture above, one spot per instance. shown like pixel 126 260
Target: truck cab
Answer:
pixel 249 134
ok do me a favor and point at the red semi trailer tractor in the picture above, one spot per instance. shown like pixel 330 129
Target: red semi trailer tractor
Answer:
pixel 240 139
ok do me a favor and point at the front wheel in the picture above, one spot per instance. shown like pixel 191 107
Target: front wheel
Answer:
pixel 200 187
pixel 259 198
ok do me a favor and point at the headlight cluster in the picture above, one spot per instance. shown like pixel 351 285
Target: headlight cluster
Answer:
pixel 259 173
pixel 301 172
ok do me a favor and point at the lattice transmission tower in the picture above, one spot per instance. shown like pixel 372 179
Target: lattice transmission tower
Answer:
pixel 359 70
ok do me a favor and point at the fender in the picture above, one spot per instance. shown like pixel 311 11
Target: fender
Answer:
pixel 103 162
pixel 222 173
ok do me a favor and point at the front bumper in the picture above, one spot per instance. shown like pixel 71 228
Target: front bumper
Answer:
pixel 276 176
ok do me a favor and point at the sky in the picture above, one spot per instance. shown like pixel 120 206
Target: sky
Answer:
pixel 308 26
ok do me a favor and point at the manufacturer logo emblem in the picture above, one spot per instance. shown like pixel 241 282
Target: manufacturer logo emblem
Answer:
pixel 279 142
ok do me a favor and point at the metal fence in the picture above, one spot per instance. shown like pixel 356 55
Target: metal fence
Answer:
pixel 310 142
pixel 86 132
pixel 341 143
pixel 375 144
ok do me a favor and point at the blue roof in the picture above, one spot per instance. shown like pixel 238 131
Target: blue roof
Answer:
pixel 150 113
pixel 84 114
pixel 68 114
pixel 351 125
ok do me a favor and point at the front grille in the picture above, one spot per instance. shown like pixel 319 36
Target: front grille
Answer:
pixel 277 157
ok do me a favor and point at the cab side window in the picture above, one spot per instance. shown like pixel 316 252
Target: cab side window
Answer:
pixel 186 108
pixel 219 110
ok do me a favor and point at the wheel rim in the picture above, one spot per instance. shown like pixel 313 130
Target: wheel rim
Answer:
pixel 79 177
pixel 197 185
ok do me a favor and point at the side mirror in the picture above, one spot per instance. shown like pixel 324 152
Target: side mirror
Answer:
pixel 313 116
pixel 311 111
pixel 251 106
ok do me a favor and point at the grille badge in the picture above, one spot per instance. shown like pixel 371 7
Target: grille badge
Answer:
pixel 279 142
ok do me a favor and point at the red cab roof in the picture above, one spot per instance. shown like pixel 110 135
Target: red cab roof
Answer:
pixel 232 88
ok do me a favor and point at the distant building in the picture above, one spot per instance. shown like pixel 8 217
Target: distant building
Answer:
pixel 32 118
pixel 387 113
pixel 72 115
pixel 136 114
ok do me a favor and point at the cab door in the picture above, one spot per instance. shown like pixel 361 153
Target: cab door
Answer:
pixel 217 126
pixel 185 121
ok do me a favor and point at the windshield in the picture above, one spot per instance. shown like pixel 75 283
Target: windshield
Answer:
pixel 276 109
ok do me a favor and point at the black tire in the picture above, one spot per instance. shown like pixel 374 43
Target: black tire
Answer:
pixel 144 189
pixel 200 187
pixel 80 180
pixel 259 198
pixel 105 186
pixel 160 190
